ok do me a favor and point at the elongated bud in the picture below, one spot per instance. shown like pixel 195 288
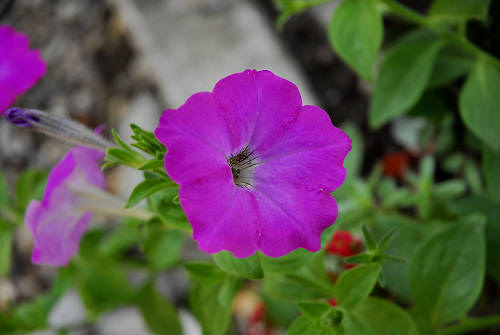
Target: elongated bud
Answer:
pixel 56 126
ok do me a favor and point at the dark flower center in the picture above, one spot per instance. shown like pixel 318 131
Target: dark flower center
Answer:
pixel 242 165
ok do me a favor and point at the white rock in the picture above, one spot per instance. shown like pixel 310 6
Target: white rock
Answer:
pixel 123 321
pixel 68 311
pixel 189 48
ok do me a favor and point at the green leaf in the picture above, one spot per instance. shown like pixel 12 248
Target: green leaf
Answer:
pixel 472 175
pixel 293 288
pixel 403 77
pixel 103 285
pixel 386 239
pixel 306 326
pixel 285 264
pixel 152 164
pixel 356 33
pixel 307 282
pixel 447 271
pixel 145 189
pixel 30 185
pixel 356 284
pixel 354 161
pixel 160 316
pixel 314 309
pixel 369 239
pixel 485 205
pixel 33 315
pixel 163 248
pixel 410 234
pixel 479 101
pixel 170 213
pixel 5 249
pixel 280 312
pixel 4 192
pixel 491 170
pixel 204 271
pixel 385 318
pixel 126 235
pixel 212 304
pixel 450 189
pixel 459 9
pixel 451 64
pixel 240 267
pixel 424 185
pixel 335 321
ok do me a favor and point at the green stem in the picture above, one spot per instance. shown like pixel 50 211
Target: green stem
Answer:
pixel 447 34
pixel 133 213
pixel 471 324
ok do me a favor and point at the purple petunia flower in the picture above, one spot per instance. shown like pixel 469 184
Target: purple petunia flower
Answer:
pixel 58 221
pixel 20 67
pixel 255 167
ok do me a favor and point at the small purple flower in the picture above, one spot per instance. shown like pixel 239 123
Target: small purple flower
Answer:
pixel 20 67
pixel 58 221
pixel 255 167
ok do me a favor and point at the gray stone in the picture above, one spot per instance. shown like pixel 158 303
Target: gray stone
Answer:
pixel 68 311
pixel 191 44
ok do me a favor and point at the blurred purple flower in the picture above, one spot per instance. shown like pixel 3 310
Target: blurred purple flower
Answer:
pixel 20 67
pixel 58 221
pixel 255 167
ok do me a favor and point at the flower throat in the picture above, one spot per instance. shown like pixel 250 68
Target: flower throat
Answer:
pixel 242 165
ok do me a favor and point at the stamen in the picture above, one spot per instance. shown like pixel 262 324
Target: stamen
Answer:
pixel 242 166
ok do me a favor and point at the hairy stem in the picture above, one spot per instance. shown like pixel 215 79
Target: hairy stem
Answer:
pixel 471 324
pixel 445 33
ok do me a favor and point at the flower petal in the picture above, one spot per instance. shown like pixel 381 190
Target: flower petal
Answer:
pixel 237 230
pixel 238 96
pixel 199 118
pixel 312 130
pixel 279 106
pixel 56 237
pixel 295 220
pixel 57 222
pixel 20 67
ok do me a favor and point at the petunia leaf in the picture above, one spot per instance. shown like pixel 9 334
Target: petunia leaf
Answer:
pixel 212 304
pixel 447 271
pixel 491 168
pixel 356 284
pixel 451 64
pixel 4 194
pixel 163 247
pixel 403 77
pixel 313 309
pixel 459 9
pixel 33 315
pixel 331 321
pixel 160 316
pixel 204 271
pixel 6 235
pixel 307 282
pixel 410 234
pixel 287 263
pixel 354 161
pixel 30 185
pixel 377 314
pixel 479 101
pixel 356 33
pixel 241 267
pixel 486 206
pixel 103 285
pixel 147 188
